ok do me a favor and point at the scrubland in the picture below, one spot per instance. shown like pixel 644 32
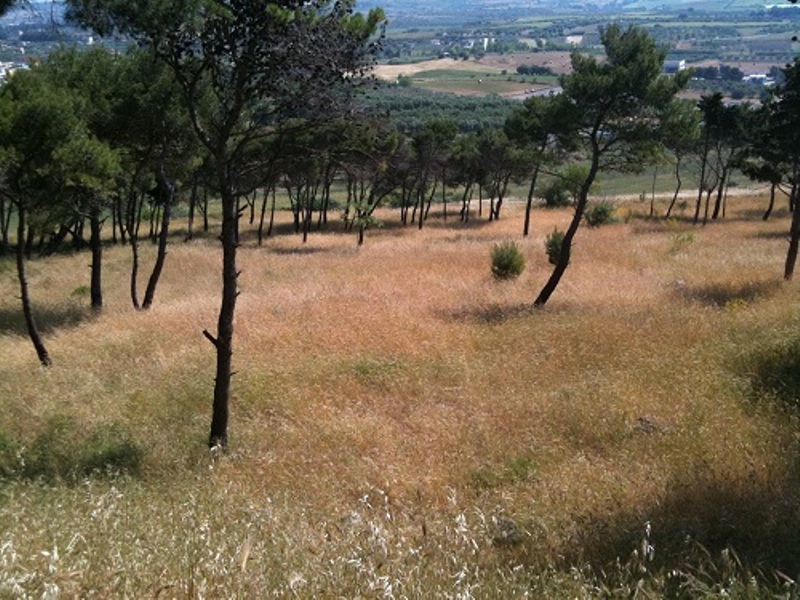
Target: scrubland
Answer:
pixel 404 425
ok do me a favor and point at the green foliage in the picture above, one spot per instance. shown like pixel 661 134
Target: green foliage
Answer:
pixel 599 213
pixel 507 261
pixel 82 291
pixel 552 245
pixel 555 194
pixel 65 451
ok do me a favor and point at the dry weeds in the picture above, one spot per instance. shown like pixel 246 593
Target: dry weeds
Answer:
pixel 403 424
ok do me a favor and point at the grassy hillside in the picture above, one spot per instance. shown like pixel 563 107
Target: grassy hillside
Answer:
pixel 404 425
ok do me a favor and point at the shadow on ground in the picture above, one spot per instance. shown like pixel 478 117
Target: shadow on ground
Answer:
pixel 48 319
pixel 723 294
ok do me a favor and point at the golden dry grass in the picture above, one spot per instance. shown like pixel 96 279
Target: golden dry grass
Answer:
pixel 394 403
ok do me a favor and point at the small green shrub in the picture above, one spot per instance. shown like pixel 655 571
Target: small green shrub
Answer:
pixel 507 261
pixel 599 213
pixel 82 291
pixel 552 245
pixel 556 194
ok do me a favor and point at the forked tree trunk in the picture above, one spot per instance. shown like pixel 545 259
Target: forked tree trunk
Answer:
pixel 30 323
pixel 223 342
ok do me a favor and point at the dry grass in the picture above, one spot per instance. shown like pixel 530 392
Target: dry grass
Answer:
pixel 403 424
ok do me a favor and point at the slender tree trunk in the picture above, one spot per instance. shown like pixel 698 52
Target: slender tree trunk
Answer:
pixel 526 228
pixel 444 196
pixel 97 259
pixel 135 206
pixel 204 208
pixel 5 218
pixel 465 198
pixel 30 323
pixel 703 167
pixel 262 216
pixel 223 342
pixel 718 203
pixel 794 237
pixel 168 193
pixel 192 205
pixel 707 205
pixel 677 188
pixel 566 245
pixel 771 205
pixel 653 192
pixel 271 213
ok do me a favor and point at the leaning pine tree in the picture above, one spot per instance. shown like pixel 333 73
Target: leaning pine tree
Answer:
pixel 616 106
pixel 243 67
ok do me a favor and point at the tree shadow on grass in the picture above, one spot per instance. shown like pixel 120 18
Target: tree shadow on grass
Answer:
pixel 490 314
pixel 707 518
pixel 700 520
pixel 722 294
pixel 48 319
pixel 774 374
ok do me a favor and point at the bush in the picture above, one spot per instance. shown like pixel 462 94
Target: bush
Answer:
pixel 599 214
pixel 552 245
pixel 507 261
pixel 556 194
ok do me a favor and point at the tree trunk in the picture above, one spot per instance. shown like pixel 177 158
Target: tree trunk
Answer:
pixel 262 215
pixel 771 205
pixel 653 192
pixel 677 188
pixel 5 218
pixel 168 193
pixel 97 259
pixel 192 204
pixel 444 196
pixel 223 342
pixel 718 203
pixel 271 213
pixel 204 208
pixel 526 228
pixel 135 206
pixel 566 245
pixel 794 237
pixel 30 323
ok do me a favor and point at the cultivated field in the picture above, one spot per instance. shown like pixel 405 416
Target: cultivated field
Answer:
pixel 405 426
pixel 492 74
